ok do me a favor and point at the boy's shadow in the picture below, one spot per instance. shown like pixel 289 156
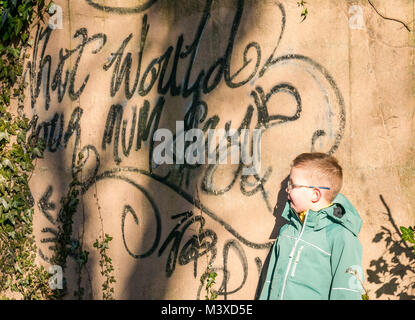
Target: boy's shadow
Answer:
pixel 279 223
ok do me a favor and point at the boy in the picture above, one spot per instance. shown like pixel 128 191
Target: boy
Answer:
pixel 317 255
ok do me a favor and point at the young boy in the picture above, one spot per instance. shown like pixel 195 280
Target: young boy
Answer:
pixel 317 255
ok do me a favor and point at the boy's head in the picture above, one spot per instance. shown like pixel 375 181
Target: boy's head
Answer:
pixel 315 180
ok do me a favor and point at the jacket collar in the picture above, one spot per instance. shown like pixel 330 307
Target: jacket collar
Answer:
pixel 341 212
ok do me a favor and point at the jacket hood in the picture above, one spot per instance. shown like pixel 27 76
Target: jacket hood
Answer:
pixel 342 212
pixel 345 213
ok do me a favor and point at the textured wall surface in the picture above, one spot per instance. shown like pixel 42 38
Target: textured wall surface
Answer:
pixel 106 74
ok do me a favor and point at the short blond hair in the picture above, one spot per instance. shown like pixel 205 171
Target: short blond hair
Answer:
pixel 324 171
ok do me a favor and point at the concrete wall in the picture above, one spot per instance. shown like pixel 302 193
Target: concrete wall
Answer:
pixel 340 82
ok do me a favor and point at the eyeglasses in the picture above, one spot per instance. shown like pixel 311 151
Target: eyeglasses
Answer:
pixel 292 186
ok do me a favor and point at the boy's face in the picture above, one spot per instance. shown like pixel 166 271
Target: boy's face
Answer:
pixel 300 198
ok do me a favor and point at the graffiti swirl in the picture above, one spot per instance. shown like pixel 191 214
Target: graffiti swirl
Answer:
pixel 143 5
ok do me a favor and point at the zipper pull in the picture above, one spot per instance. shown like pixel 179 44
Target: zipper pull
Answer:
pixel 297 259
pixel 291 255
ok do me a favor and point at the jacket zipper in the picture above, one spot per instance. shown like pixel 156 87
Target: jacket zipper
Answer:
pixel 296 260
pixel 291 256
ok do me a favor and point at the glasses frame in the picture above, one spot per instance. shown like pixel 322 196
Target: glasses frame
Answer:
pixel 291 186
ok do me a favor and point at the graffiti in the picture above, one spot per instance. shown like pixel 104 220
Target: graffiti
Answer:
pixel 191 250
pixel 169 74
pixel 142 6
pixel 39 68
pixel 144 124
pixel 53 142
pixel 129 209
pixel 158 65
pixel 45 206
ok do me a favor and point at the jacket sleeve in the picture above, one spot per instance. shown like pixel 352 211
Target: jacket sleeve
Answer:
pixel 266 288
pixel 346 260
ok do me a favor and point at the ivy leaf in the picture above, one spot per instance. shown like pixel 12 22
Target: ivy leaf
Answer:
pixel 4 136
pixel 408 234
pixel 21 137
pixel 304 14
pixel 18 26
pixel 14 52
pixel 6 163
pixel 37 152
pixel 4 16
pixel 4 203
pixel 17 268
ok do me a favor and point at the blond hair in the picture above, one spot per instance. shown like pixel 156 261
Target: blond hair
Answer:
pixel 324 171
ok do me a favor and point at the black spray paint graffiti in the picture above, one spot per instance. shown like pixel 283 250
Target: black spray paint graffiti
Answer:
pixel 191 250
pixel 129 8
pixel 40 67
pixel 59 140
pixel 197 246
pixel 158 66
pixel 196 115
pixel 143 126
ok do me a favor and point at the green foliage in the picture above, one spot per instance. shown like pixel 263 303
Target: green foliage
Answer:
pixel 365 294
pixel 210 278
pixel 18 152
pixel 15 20
pixel 408 235
pixel 304 11
pixel 105 262
pixel 65 244
pixel 81 258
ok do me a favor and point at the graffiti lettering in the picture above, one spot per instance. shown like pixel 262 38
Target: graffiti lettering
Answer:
pixel 172 73
pixel 40 67
pixel 143 5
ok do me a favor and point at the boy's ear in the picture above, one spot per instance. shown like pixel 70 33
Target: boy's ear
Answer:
pixel 316 195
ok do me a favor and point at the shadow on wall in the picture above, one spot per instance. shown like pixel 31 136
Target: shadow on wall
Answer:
pixel 132 117
pixel 119 135
pixel 393 272
pixel 279 223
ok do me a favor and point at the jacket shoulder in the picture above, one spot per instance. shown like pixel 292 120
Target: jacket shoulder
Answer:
pixel 340 236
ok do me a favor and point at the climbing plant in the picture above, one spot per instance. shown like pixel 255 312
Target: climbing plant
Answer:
pixel 208 277
pixel 304 10
pixel 65 245
pixel 20 277
pixel 107 269
pixel 408 235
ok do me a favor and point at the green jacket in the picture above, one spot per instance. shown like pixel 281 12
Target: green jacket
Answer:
pixel 316 261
